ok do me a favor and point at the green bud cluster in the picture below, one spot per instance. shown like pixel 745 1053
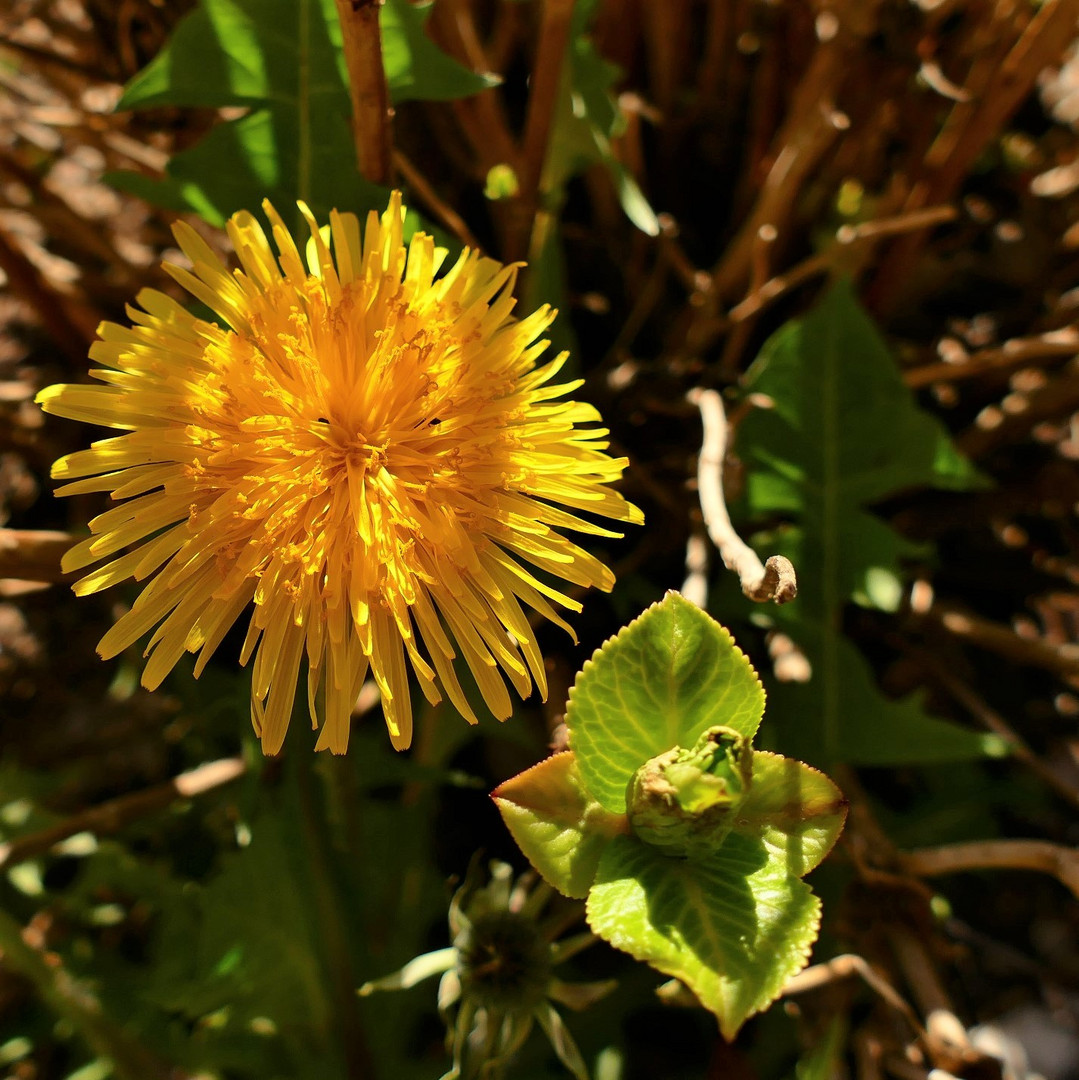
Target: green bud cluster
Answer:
pixel 684 801
pixel 504 961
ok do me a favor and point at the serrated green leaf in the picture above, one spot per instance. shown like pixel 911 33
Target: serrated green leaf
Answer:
pixel 560 828
pixel 658 683
pixel 844 431
pixel 733 928
pixel 796 810
pixel 871 729
pixel 282 59
pixel 416 69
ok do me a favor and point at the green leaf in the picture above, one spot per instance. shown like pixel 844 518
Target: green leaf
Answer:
pixel 586 117
pixel 282 59
pixel 796 810
pixel 658 683
pixel 870 728
pixel 556 823
pixel 415 67
pixel 255 948
pixel 843 432
pixel 733 928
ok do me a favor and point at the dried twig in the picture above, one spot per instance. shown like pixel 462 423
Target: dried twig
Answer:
pixel 70 328
pixel 996 723
pixel 1008 423
pixel 945 1033
pixel 1040 349
pixel 775 579
pixel 362 46
pixel 22 950
pixel 1061 862
pixel 842 967
pixel 430 198
pixel 116 813
pixel 994 90
pixel 695 587
pixel 1063 659
pixel 805 137
pixel 33 554
pixel 542 101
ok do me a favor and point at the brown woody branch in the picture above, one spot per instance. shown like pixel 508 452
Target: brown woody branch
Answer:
pixel 113 815
pixel 1039 855
pixel 362 46
pixel 33 554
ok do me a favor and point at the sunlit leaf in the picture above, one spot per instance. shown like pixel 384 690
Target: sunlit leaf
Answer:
pixel 842 432
pixel 415 67
pixel 282 60
pixel 659 683
pixel 556 823
pixel 796 810
pixel 733 928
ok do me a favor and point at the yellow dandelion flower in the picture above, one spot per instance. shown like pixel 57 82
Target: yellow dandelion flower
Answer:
pixel 366 452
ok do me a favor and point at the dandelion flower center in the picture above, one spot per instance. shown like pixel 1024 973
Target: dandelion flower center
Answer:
pixel 363 453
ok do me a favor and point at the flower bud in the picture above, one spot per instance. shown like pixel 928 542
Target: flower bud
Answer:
pixel 504 961
pixel 683 801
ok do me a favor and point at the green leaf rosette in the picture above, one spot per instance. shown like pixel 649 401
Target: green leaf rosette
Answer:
pixel 689 844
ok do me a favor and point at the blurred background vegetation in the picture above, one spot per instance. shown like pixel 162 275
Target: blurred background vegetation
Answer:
pixel 875 200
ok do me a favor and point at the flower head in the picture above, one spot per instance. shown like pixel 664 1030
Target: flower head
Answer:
pixel 368 454
pixel 498 975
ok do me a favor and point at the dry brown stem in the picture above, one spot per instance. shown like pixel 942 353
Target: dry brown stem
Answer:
pixel 542 101
pixel 71 330
pixel 808 132
pixel 996 723
pixel 362 47
pixel 1063 659
pixel 430 198
pixel 695 586
pixel 33 554
pixel 773 580
pixel 1040 349
pixel 994 90
pixel 113 815
pixel 1040 855
pixel 842 967
pixel 995 426
pixel 946 1036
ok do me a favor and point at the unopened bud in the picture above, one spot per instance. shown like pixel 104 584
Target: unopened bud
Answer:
pixel 683 801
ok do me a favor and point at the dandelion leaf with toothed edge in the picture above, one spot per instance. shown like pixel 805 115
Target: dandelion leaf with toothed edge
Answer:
pixel 844 431
pixel 282 60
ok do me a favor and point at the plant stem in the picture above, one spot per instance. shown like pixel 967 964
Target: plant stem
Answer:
pixel 1061 862
pixel 33 554
pixel 333 926
pixel 554 37
pixel 362 46
pixel 774 580
pixel 116 813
